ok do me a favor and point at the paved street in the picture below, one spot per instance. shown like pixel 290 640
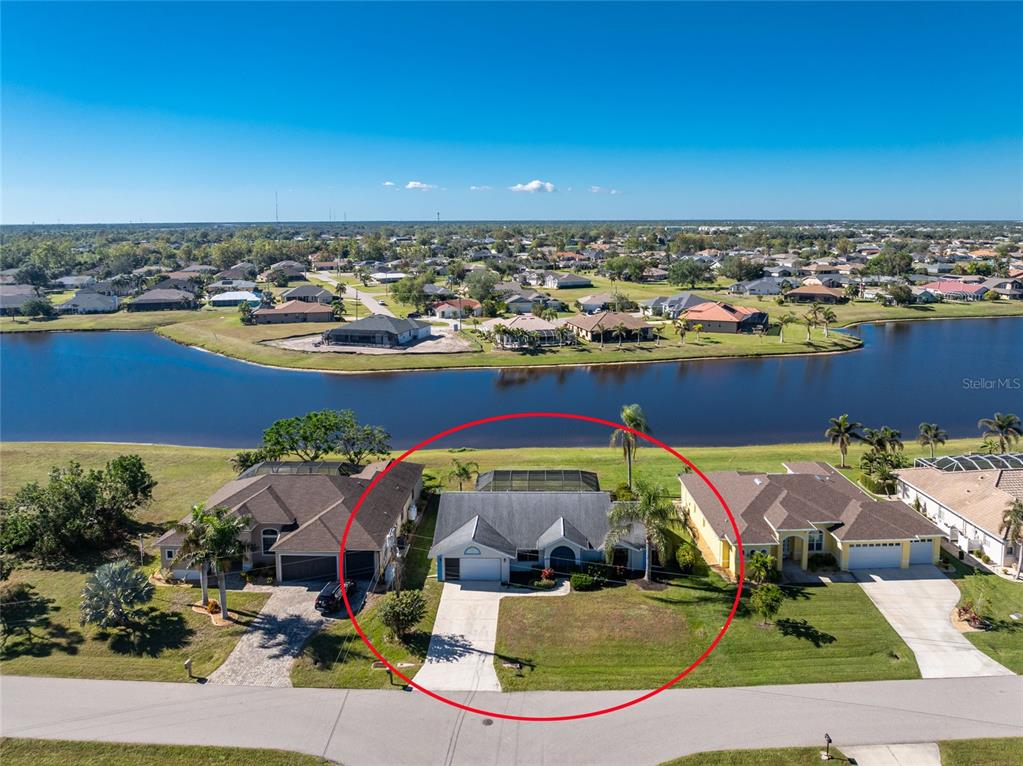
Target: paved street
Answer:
pixel 373 306
pixel 918 603
pixel 346 726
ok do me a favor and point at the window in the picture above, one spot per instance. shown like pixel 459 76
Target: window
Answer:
pixel 815 541
pixel 169 554
pixel 269 538
pixel 527 554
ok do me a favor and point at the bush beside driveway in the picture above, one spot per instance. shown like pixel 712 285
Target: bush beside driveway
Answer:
pixel 627 638
pixel 1004 642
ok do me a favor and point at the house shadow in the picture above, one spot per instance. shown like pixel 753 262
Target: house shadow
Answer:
pixel 156 632
pixel 29 630
pixel 803 630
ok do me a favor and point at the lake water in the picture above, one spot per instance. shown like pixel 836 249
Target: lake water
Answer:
pixel 138 387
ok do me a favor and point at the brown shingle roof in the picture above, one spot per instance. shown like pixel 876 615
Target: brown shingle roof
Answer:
pixel 606 320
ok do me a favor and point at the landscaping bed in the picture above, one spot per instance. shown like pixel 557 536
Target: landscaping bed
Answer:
pixel 995 599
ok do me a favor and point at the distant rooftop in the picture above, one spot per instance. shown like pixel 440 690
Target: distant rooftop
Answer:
pixel 538 481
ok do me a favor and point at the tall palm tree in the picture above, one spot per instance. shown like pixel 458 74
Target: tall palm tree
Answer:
pixel 1006 427
pixel 891 439
pixel 632 415
pixel 462 472
pixel 783 321
pixel 654 511
pixel 843 432
pixel 811 317
pixel 681 327
pixel 619 331
pixel 1012 529
pixel 193 553
pixel 224 530
pixel 697 328
pixel 827 317
pixel 931 435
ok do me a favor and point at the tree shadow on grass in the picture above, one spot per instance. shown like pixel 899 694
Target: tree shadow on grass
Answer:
pixel 803 630
pixel 28 629
pixel 156 632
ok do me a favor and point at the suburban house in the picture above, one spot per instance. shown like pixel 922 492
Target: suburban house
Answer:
pixel 378 330
pixel 762 286
pixel 290 269
pixel 591 304
pixel 954 290
pixel 75 282
pixel 308 294
pixel 518 521
pixel 670 306
pixel 437 291
pixel 966 496
pixel 556 281
pixel 235 298
pixel 294 311
pixel 387 277
pixel 162 300
pixel 177 283
pixel 816 294
pixel 230 286
pixel 654 274
pixel 594 327
pixel 1005 286
pixel 812 509
pixel 298 513
pixel 12 297
pixel 88 302
pixel 243 271
pixel 717 316
pixel 508 333
pixel 456 308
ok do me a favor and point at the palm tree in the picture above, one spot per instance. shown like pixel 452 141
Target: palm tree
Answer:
pixel 500 333
pixel 811 318
pixel 114 594
pixel 891 439
pixel 620 331
pixel 463 472
pixel 783 320
pixel 224 530
pixel 843 432
pixel 931 435
pixel 654 511
pixel 1012 529
pixel 632 415
pixel 681 327
pixel 193 553
pixel 827 317
pixel 548 313
pixel 698 328
pixel 1006 427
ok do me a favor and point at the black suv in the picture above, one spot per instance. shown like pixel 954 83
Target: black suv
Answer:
pixel 330 599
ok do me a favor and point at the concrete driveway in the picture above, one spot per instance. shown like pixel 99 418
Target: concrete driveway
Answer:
pixel 918 603
pixel 461 653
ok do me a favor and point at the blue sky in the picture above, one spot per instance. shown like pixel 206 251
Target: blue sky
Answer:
pixel 197 112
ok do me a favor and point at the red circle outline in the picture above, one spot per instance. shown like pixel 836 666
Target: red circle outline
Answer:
pixel 569 416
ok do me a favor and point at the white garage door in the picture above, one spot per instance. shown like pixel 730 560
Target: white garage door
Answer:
pixel 875 555
pixel 480 569
pixel 921 552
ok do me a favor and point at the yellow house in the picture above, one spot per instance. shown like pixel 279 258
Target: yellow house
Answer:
pixel 811 510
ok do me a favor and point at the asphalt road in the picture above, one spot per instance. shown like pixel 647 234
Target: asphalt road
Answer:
pixel 394 728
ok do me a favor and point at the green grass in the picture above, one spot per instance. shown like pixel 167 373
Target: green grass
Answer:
pixel 120 320
pixel 1004 643
pixel 59 646
pixel 626 638
pixel 50 752
pixel 337 657
pixel 786 756
pixel 981 752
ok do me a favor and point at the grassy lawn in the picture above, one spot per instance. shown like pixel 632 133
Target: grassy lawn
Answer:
pixel 48 752
pixel 787 756
pixel 120 320
pixel 625 638
pixel 337 658
pixel 59 646
pixel 1004 643
pixel 981 752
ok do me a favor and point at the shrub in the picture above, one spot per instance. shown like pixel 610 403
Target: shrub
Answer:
pixel 821 561
pixel 547 573
pixel 689 559
pixel 213 607
pixel 623 492
pixel 401 611
pixel 766 601
pixel 582 582
pixel 761 567
pixel 543 584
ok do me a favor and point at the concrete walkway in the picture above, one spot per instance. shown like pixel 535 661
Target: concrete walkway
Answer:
pixel 363 727
pixel 267 650
pixel 921 754
pixel 918 603
pixel 461 653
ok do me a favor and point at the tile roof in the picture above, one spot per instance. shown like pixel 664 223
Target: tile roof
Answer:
pixel 978 496
pixel 606 320
pixel 718 311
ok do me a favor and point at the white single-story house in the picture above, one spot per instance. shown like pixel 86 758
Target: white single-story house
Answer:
pixel 236 298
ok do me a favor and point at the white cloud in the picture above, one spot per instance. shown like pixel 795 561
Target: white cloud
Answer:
pixel 536 185
pixel 419 186
pixel 596 189
pixel 616 191
pixel 388 183
pixel 480 188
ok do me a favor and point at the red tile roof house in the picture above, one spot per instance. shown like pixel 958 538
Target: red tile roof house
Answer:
pixel 294 311
pixel 298 513
pixel 811 509
pixel 456 308
pixel 716 316
pixel 951 289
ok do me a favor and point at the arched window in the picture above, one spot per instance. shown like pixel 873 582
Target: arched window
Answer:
pixel 269 538
pixel 472 550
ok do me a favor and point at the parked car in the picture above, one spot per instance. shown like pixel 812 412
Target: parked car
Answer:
pixel 330 599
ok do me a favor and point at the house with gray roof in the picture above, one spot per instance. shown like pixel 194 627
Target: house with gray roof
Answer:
pixel 89 302
pixel 378 330
pixel 491 533
pixel 670 306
